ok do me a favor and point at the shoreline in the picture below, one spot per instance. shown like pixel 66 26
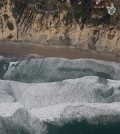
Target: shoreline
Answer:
pixel 8 48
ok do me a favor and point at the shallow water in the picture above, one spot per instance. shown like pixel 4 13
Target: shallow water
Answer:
pixel 58 69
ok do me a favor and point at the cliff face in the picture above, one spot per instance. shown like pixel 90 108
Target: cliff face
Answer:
pixel 61 28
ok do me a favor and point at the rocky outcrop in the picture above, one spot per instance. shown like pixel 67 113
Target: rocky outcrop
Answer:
pixel 60 28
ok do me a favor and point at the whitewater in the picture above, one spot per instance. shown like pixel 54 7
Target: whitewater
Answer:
pixel 41 95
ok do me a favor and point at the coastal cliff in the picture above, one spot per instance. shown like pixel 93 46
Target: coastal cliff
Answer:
pixel 95 30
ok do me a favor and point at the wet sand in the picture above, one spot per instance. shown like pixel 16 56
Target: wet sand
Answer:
pixel 8 48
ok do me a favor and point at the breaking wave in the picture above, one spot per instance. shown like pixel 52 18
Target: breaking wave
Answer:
pixel 58 69
pixel 59 96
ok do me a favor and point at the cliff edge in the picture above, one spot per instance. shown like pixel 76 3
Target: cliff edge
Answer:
pixel 59 23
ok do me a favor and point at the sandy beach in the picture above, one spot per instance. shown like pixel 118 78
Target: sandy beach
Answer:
pixel 8 48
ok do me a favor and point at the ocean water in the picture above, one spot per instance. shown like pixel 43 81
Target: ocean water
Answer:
pixel 58 69
pixel 41 95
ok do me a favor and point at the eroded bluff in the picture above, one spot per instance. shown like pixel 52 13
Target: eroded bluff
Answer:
pixel 63 25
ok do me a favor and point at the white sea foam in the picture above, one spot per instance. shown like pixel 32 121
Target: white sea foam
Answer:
pixel 89 89
pixel 58 103
pixel 69 90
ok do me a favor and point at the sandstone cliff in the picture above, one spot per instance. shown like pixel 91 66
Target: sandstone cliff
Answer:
pixel 61 28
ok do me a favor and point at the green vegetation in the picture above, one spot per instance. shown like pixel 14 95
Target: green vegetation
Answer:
pixel 83 12
pixel 6 17
pixel 35 1
pixel 10 25
pixel 1 5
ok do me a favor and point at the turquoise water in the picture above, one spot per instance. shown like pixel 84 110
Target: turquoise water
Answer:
pixel 57 69
pixel 84 128
pixel 3 68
